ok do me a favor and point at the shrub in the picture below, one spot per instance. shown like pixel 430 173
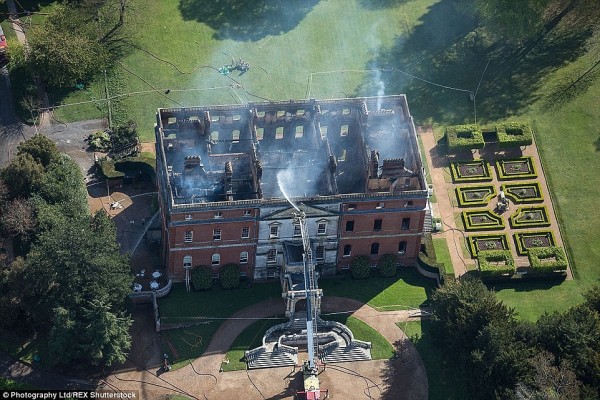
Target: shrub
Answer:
pixel 514 134
pixel 108 170
pixel 360 268
pixel 516 192
pixel 387 265
pixel 463 191
pixel 495 263
pixel 547 259
pixel 99 141
pixel 520 237
pixel 496 222
pixel 230 276
pixel 464 137
pixel 202 277
pixel 457 177
pixel 504 175
pixel 524 217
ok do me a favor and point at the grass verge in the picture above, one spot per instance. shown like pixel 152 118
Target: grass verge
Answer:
pixel 381 350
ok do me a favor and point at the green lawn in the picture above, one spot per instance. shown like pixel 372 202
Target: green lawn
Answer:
pixel 250 338
pixel 381 350
pixel 9 384
pixel 445 383
pixel 407 289
pixel 442 253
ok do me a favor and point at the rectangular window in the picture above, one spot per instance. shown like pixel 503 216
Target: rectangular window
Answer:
pixel 322 228
pixel 216 234
pixel 247 213
pixel 218 214
pixel 349 226
pixel 274 231
pixel 299 131
pixel 244 257
pixel 189 237
pixel 344 131
pixel 380 206
pixel 187 262
pixel 297 231
pixel 260 133
pixel 405 224
pixel 245 232
pixel 188 217
pixel 279 132
pixel 320 253
pixel 272 256
pixel 216 259
pixel 351 207
pixel 402 247
pixel 243 274
pixel 346 266
pixel 377 224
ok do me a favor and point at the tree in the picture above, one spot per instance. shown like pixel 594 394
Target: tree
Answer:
pixel 63 185
pixel 549 381
pixel 461 310
pixel 573 336
pixel 22 176
pixel 592 298
pixel 360 269
pixel 202 277
pixel 40 148
pixel 230 276
pixel 92 333
pixel 387 265
pixel 17 219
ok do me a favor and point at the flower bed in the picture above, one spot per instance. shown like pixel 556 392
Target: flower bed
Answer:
pixel 515 168
pixel 495 263
pixel 523 193
pixel 464 137
pixel 529 240
pixel 470 171
pixel 479 243
pixel 469 196
pixel 481 220
pixel 514 134
pixel 548 259
pixel 528 217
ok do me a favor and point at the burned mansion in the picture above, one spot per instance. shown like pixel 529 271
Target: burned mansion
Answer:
pixel 231 178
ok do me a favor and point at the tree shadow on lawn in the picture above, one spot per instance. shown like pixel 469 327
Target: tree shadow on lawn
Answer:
pixel 247 20
pixel 526 286
pixel 446 49
pixel 379 4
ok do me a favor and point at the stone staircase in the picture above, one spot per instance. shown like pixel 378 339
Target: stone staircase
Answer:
pixel 428 223
pixel 346 354
pixel 272 359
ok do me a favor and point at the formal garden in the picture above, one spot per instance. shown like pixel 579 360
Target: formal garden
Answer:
pixel 509 201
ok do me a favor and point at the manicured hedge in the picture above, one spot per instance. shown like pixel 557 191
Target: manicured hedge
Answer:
pixel 143 164
pixel 514 134
pixel 458 178
pixel 498 223
pixel 538 256
pixel 515 222
pixel 230 276
pixel 504 176
pixel 108 170
pixel 472 242
pixel 464 137
pixel 462 191
pixel 511 190
pixel 360 268
pixel 488 263
pixel 520 236
pixel 387 265
pixel 202 278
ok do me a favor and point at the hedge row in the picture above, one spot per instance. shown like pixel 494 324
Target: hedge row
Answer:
pixel 494 263
pixel 462 191
pixel 517 220
pixel 504 176
pixel 458 178
pixel 538 259
pixel 520 237
pixel 514 134
pixel 472 242
pixel 497 224
pixel 512 191
pixel 464 137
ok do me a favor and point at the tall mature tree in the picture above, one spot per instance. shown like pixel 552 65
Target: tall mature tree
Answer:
pixel 22 176
pixel 17 218
pixel 40 148
pixel 550 382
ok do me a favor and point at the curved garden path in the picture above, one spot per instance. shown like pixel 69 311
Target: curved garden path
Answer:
pixel 401 378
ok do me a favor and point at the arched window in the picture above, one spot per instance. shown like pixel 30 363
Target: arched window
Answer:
pixel 216 259
pixel 347 250
pixel 402 247
pixel 187 262
pixel 374 249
